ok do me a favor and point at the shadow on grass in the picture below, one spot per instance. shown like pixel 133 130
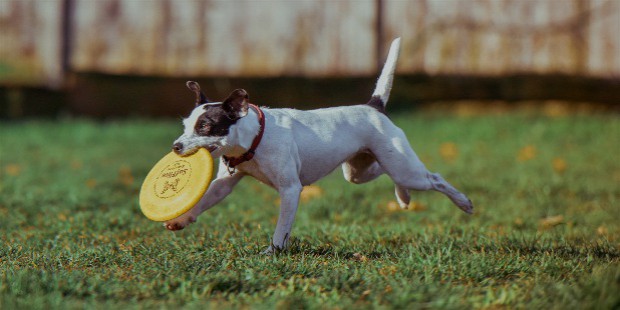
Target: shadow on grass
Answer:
pixel 567 251
pixel 532 247
pixel 307 248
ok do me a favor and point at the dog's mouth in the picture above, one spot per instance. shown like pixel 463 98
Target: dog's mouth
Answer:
pixel 192 151
pixel 189 153
pixel 212 148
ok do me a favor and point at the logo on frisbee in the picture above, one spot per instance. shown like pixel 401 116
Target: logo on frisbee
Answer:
pixel 172 179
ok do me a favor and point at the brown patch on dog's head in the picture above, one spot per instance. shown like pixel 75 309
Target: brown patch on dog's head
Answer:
pixel 215 121
pixel 209 124
pixel 237 103
pixel 218 117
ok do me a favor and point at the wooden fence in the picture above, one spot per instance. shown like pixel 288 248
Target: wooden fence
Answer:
pixel 42 40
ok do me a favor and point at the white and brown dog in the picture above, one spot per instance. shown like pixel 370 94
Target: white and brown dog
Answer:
pixel 288 149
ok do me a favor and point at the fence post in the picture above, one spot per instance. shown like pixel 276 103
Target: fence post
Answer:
pixel 379 48
pixel 67 39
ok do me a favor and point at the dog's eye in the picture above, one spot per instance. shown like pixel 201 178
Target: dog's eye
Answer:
pixel 203 127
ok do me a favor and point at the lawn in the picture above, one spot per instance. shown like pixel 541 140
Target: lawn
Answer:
pixel 545 233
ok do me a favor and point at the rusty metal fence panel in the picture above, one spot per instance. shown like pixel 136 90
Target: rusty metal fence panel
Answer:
pixel 31 43
pixel 225 38
pixel 489 37
pixel 603 35
pixel 40 39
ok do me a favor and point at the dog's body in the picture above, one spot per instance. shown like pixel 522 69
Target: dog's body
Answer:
pixel 300 147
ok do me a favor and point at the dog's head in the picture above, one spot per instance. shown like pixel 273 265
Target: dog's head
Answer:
pixel 209 124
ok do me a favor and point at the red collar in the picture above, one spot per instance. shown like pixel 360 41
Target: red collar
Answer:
pixel 232 162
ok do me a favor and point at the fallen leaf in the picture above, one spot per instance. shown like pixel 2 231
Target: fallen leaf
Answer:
pixel 76 164
pixel 394 206
pixel 91 183
pixel 551 221
pixel 391 205
pixel 13 169
pixel 519 222
pixel 365 294
pixel 310 192
pixel 125 176
pixel 527 153
pixel 448 151
pixel 559 165
pixel 359 257
pixel 389 270
pixel 416 206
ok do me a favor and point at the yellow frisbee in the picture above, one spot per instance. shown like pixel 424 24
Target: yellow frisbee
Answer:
pixel 175 184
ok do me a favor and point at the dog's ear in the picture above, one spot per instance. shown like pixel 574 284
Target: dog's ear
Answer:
pixel 237 103
pixel 200 97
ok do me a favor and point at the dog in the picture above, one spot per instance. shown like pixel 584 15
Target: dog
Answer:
pixel 288 149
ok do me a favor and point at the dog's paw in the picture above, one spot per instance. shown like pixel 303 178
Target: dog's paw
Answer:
pixel 269 251
pixel 180 222
pixel 173 226
pixel 273 250
pixel 467 207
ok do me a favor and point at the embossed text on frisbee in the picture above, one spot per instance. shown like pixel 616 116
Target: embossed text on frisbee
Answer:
pixel 173 179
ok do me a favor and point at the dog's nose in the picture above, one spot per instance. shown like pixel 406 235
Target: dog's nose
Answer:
pixel 177 147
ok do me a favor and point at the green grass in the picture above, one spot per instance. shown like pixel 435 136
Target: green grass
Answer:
pixel 72 235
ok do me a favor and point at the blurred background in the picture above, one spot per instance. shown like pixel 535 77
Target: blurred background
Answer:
pixel 110 58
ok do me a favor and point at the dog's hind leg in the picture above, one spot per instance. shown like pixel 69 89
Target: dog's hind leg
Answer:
pixel 459 199
pixel 409 173
pixel 361 168
pixel 427 180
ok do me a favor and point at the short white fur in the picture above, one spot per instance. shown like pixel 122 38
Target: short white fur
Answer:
pixel 384 83
pixel 300 147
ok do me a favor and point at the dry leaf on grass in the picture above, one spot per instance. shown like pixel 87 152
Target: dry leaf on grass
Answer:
pixel 526 153
pixel 91 183
pixel 559 165
pixel 416 206
pixel 551 221
pixel 125 176
pixel 359 257
pixel 76 165
pixel 393 206
pixel 448 151
pixel 310 192
pixel 13 169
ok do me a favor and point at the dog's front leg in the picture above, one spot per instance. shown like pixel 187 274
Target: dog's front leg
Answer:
pixel 289 196
pixel 218 190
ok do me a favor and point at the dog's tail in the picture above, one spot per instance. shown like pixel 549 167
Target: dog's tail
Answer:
pixel 384 84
